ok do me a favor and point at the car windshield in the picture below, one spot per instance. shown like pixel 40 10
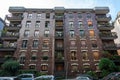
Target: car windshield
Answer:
pixel 44 79
pixel 82 78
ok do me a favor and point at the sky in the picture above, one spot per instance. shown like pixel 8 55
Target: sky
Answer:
pixel 114 5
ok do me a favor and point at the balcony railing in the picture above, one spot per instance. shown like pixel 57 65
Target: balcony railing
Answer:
pixel 14 18
pixel 13 27
pixel 110 47
pixel 103 18
pixel 111 35
pixel 8 47
pixel 59 17
pixel 10 35
pixel 59 59
pixel 59 36
pixel 105 27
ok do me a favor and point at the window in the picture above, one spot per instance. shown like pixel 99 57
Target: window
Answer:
pixel 32 66
pixel 46 34
pixel 96 55
pixel 22 57
pixel 34 56
pixel 83 43
pixel 28 24
pixel 45 43
pixel 24 43
pixel 90 24
pixel 80 24
pixel 29 16
pixel 75 68
pixel 72 33
pixel 73 55
pixel 70 15
pixel 47 15
pixel 47 24
pixel 79 15
pixel 84 55
pixel 88 15
pixel 94 44
pixel 91 33
pixel 86 67
pixel 37 24
pixel 36 33
pixel 72 43
pixel 82 33
pixel 39 15
pixel 71 24
pixel 26 33
pixel 59 33
pixel 45 55
pixel 35 43
pixel 44 67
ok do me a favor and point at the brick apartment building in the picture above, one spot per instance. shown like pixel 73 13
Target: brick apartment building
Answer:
pixel 58 41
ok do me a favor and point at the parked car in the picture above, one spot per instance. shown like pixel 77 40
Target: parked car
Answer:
pixel 112 76
pixel 26 76
pixel 84 77
pixel 45 77
pixel 8 78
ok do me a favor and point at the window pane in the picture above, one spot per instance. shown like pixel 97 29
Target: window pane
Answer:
pixel 44 67
pixel 35 43
pixel 96 55
pixel 72 33
pixel 47 15
pixel 36 33
pixel 46 33
pixel 84 55
pixel 37 24
pixel 47 24
pixel 73 55
pixel 24 43
pixel 28 23
pixel 26 33
pixel 91 33
pixel 82 33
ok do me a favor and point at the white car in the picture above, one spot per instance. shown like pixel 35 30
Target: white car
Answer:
pixel 46 77
pixel 26 76
pixel 82 78
pixel 8 78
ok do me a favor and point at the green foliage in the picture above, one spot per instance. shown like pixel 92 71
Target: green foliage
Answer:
pixel 11 67
pixel 105 73
pixel 107 64
pixel 92 73
pixel 36 73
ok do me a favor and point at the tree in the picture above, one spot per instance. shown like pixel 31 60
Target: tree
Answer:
pixel 107 66
pixel 11 67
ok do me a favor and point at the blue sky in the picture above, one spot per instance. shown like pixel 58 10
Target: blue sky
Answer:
pixel 114 5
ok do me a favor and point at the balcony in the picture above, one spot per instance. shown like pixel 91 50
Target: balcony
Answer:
pixel 59 36
pixel 101 10
pixel 59 59
pixel 16 9
pixel 110 47
pixel 14 18
pixel 59 17
pixel 108 35
pixel 8 47
pixel 13 27
pixel 105 27
pixel 103 17
pixel 10 36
